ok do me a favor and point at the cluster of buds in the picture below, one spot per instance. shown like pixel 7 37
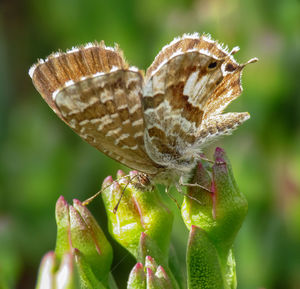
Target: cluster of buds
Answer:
pixel 149 275
pixel 142 223
pixel 82 250
pixel 213 211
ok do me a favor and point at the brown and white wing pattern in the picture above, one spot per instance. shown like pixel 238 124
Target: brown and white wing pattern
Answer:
pixel 187 87
pixel 158 125
pixel 178 84
pixel 98 95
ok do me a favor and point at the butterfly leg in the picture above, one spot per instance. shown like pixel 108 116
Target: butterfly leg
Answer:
pixel 122 194
pixel 179 189
pixel 202 157
pixel 193 185
pixel 171 197
pixel 89 200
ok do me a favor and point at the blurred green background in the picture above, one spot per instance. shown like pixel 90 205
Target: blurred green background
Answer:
pixel 41 158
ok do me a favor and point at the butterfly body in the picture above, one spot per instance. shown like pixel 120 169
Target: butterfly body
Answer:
pixel 156 124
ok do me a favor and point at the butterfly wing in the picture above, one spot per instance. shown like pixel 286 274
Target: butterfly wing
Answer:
pixel 94 91
pixel 191 80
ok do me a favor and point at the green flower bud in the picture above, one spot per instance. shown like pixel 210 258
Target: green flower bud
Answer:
pixel 72 273
pixel 63 241
pixel 156 276
pixel 231 206
pixel 137 278
pixel 139 211
pixel 220 212
pixel 149 276
pixel 77 228
pixel 64 277
pixel 149 248
pixel 150 263
pixel 164 278
pixel 152 282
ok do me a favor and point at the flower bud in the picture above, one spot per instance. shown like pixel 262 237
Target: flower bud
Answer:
pixel 63 241
pixel 156 276
pixel 164 278
pixel 219 212
pixel 137 278
pixel 77 228
pixel 150 263
pixel 230 205
pixel 64 277
pixel 139 210
pixel 73 272
pixel 149 276
pixel 152 282
pixel 148 247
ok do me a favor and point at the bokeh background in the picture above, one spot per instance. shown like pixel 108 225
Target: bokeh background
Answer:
pixel 41 158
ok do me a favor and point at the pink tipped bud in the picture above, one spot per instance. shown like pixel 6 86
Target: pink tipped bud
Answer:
pixel 150 263
pixel 137 278
pixel 64 276
pixel 107 182
pixel 77 228
pixel 132 211
pixel 120 174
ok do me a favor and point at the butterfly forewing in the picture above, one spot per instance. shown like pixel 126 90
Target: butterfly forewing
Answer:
pixel 59 68
pixel 99 97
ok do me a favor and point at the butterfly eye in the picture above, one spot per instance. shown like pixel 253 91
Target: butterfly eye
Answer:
pixel 212 65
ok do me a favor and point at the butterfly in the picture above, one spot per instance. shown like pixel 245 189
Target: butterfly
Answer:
pixel 156 122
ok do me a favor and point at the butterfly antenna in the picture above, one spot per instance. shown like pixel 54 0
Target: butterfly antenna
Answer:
pixel 252 60
pixel 89 200
pixel 123 191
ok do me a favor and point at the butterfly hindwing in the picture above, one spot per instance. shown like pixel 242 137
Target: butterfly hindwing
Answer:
pixel 189 84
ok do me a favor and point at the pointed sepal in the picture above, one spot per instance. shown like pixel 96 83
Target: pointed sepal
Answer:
pixel 204 270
